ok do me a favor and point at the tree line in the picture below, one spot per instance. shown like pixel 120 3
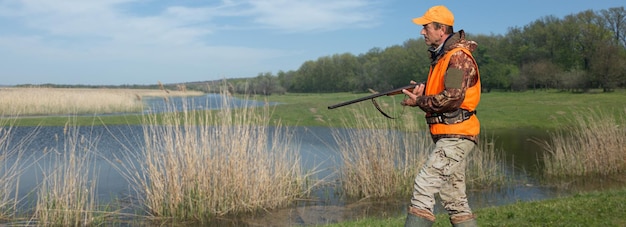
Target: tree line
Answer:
pixel 579 52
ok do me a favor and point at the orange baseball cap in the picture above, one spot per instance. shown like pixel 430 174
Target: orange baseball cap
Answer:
pixel 439 14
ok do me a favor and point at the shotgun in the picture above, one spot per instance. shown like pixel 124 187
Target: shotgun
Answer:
pixel 372 97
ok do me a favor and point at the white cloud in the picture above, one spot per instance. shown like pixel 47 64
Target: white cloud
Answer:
pixel 312 15
pixel 165 32
pixel 112 18
pixel 104 20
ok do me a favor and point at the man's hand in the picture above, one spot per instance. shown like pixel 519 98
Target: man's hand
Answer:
pixel 412 96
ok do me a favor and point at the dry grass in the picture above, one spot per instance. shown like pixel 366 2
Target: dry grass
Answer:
pixel 198 165
pixel 66 195
pixel 10 169
pixel 594 146
pixel 484 168
pixel 378 162
pixel 51 101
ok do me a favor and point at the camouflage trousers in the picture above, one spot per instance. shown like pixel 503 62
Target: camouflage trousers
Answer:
pixel 444 173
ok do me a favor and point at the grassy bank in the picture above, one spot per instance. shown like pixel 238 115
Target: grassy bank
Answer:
pixel 531 109
pixel 497 110
pixel 604 208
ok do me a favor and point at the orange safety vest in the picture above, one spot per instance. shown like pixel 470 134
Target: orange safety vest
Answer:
pixel 435 85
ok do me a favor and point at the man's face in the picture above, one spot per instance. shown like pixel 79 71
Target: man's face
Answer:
pixel 433 36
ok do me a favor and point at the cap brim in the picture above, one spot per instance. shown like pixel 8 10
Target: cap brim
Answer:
pixel 421 21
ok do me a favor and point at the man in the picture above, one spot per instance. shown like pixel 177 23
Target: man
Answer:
pixel 449 98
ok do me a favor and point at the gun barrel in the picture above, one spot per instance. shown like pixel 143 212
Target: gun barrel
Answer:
pixel 391 92
pixel 355 101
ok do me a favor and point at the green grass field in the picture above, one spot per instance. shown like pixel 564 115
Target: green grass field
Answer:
pixel 497 110
pixel 541 109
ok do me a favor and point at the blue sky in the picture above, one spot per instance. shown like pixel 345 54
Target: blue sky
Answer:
pixel 114 42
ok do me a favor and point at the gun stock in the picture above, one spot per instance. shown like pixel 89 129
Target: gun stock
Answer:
pixel 387 93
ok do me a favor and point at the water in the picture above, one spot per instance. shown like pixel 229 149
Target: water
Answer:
pixel 204 102
pixel 317 149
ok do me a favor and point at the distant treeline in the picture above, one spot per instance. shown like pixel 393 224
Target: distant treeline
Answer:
pixel 576 53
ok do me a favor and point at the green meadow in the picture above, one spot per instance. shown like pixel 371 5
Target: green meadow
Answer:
pixel 497 110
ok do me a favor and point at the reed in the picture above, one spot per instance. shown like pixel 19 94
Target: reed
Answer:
pixel 484 167
pixel 199 165
pixel 592 146
pixel 377 162
pixel 11 152
pixel 54 101
pixel 381 157
pixel 66 196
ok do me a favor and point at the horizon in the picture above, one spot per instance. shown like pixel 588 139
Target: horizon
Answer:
pixel 128 42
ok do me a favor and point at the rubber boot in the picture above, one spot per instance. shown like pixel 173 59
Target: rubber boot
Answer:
pixel 419 218
pixel 464 221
